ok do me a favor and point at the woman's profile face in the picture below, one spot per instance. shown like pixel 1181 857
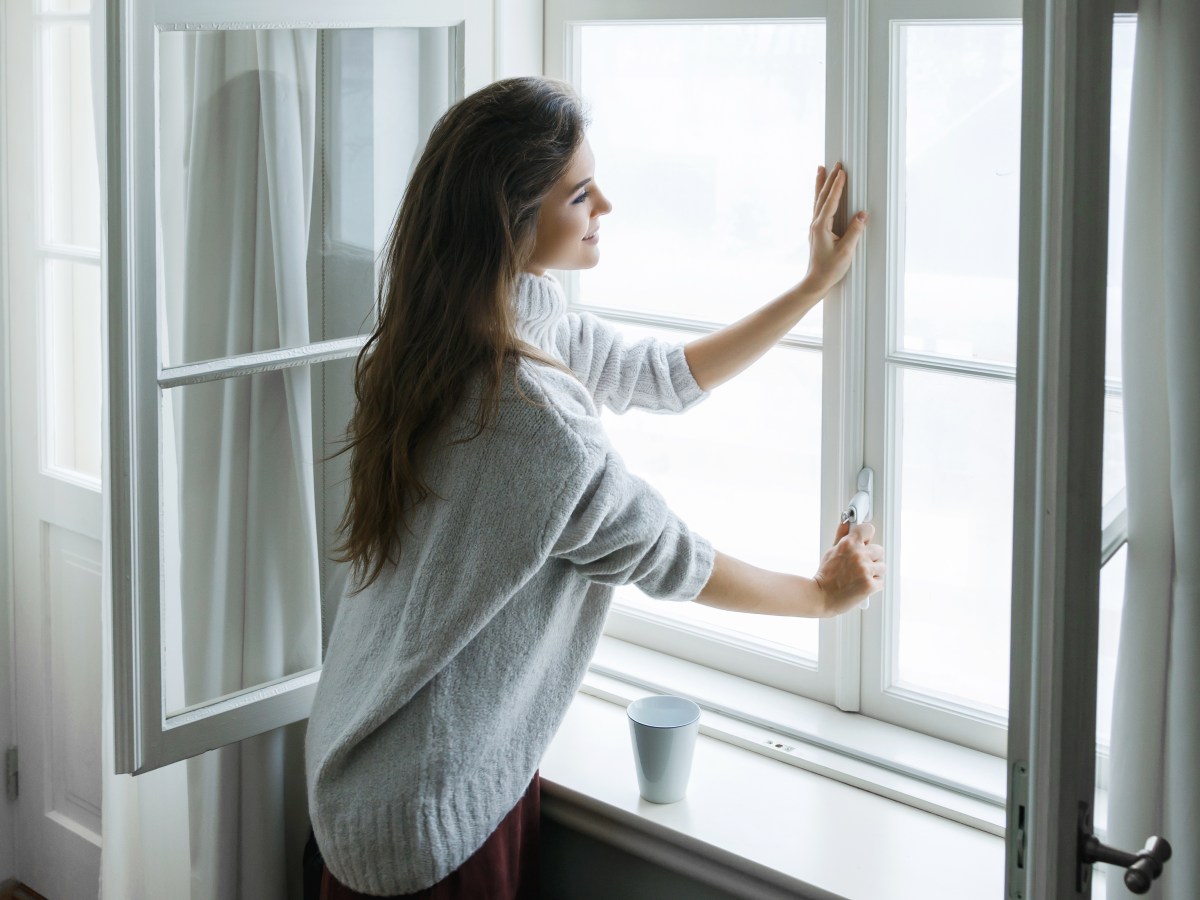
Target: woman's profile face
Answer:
pixel 569 217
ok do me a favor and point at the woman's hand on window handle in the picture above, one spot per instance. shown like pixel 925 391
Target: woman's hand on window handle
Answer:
pixel 852 569
pixel 830 254
pixel 850 572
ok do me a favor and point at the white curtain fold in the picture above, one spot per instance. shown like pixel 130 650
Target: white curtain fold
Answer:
pixel 1155 737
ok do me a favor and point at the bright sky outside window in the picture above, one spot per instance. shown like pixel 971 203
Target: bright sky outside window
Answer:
pixel 69 291
pixel 707 138
pixel 755 452
pixel 958 122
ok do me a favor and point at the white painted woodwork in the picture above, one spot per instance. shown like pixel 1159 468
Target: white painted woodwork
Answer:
pixel 1067 56
pixel 55 530
pixel 7 671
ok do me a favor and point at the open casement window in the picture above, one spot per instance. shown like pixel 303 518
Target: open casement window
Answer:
pixel 707 130
pixel 257 154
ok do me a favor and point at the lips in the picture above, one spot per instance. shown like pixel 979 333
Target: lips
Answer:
pixel 592 235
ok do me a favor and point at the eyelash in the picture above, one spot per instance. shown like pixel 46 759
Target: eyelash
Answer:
pixel 581 197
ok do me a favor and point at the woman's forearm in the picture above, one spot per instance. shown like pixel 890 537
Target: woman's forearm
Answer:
pixel 741 587
pixel 717 357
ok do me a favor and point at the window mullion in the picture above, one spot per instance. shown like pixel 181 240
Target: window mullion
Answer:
pixel 843 406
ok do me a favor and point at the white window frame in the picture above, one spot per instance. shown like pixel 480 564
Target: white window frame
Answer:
pixel 47 250
pixel 856 400
pixel 858 104
pixel 923 712
pixel 841 367
pixel 145 736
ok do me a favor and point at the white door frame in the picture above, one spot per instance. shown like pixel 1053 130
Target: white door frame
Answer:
pixel 8 862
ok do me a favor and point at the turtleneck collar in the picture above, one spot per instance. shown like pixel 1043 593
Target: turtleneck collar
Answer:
pixel 539 302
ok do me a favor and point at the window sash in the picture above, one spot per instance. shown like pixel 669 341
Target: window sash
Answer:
pixel 920 711
pixel 145 738
pixel 729 652
pixel 854 389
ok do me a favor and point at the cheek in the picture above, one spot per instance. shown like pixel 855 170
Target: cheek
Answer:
pixel 568 227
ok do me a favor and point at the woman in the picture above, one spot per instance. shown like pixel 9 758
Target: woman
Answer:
pixel 489 517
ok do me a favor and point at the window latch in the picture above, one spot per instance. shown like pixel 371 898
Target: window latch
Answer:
pixel 859 509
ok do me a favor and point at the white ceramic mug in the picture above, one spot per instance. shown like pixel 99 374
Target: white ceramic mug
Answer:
pixel 663 730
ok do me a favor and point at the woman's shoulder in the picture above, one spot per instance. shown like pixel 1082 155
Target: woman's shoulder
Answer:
pixel 558 400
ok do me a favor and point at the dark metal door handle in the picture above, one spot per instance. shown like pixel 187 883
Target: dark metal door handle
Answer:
pixel 1141 868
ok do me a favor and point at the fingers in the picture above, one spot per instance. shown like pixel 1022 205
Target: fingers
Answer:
pixel 817 190
pixel 842 531
pixel 864 531
pixel 827 183
pixel 833 196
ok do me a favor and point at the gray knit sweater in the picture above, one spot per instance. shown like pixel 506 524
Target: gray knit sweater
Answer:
pixel 446 679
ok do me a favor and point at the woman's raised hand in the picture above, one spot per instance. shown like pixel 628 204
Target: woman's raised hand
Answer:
pixel 851 570
pixel 830 254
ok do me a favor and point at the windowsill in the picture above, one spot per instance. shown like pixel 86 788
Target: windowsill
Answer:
pixel 789 797
pixel 760 827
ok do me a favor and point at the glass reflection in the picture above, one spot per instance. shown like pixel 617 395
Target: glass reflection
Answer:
pixel 282 157
pixel 248 511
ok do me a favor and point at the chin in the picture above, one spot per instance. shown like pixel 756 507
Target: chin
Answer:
pixel 582 263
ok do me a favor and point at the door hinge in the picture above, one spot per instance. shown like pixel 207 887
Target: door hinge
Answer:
pixel 11 783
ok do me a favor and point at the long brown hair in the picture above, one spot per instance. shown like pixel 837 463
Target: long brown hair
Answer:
pixel 465 229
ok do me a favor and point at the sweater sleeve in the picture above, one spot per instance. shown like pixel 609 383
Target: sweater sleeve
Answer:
pixel 619 530
pixel 647 374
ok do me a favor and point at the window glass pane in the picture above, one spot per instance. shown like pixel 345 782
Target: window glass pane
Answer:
pixel 707 138
pixel 743 468
pixel 65 6
pixel 71 323
pixel 958 129
pixel 1112 597
pixel 283 156
pixel 1114 448
pixel 950 579
pixel 247 514
pixel 70 177
pixel 1124 33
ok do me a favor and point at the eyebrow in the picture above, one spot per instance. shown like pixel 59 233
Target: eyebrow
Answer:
pixel 581 184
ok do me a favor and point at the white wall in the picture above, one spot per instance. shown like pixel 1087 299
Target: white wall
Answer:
pixel 518 38
pixel 7 810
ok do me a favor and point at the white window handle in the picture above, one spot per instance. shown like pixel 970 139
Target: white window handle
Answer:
pixel 859 509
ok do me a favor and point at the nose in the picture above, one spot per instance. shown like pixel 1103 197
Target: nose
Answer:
pixel 603 207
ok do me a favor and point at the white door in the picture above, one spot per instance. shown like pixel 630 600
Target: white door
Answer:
pixel 54 340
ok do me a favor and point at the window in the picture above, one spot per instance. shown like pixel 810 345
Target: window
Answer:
pixel 68 246
pixel 707 134
pixel 260 167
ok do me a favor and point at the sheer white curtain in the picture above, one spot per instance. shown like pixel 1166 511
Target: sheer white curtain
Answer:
pixel 1156 720
pixel 239 110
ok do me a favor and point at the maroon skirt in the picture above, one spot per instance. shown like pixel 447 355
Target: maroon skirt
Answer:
pixel 504 868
